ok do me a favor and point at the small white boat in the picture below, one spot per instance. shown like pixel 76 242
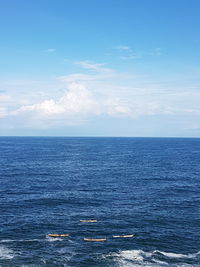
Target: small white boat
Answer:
pixel 88 221
pixel 122 236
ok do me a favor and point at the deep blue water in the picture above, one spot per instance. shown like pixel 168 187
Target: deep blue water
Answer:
pixel 149 187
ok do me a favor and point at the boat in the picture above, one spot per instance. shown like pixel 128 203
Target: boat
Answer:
pixel 89 221
pixel 122 236
pixel 95 239
pixel 58 235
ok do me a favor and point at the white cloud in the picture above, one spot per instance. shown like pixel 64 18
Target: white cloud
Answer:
pixel 4 98
pixel 94 67
pixel 104 92
pixel 3 112
pixel 100 73
pixel 47 107
pixel 90 66
pixel 79 101
pixel 115 107
pixel 76 100
pixel 5 102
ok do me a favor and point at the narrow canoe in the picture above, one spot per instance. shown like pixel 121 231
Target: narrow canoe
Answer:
pixel 95 239
pixel 58 235
pixel 90 221
pixel 122 236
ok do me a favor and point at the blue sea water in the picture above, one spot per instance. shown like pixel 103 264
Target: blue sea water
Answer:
pixel 148 187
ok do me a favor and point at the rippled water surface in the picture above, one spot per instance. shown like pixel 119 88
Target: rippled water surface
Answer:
pixel 148 187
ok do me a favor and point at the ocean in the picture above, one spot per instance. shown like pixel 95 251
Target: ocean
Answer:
pixel 148 187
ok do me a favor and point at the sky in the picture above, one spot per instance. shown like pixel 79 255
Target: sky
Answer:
pixel 100 68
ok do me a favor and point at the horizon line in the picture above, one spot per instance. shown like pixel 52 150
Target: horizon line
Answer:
pixel 93 136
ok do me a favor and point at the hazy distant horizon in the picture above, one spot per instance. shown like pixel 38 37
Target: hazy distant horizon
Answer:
pixel 98 136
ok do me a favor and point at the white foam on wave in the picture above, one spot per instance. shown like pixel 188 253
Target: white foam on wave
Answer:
pixel 129 258
pixel 156 258
pixel 53 239
pixel 161 263
pixel 132 255
pixel 171 255
pixel 6 253
pixel 178 256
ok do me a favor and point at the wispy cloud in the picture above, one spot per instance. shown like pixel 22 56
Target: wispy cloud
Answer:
pixel 126 52
pixel 77 77
pixel 89 65
pixel 123 48
pixel 131 56
pixel 50 50
pixel 94 66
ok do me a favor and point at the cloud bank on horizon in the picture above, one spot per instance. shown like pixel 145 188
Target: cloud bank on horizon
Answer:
pixel 127 88
pixel 97 93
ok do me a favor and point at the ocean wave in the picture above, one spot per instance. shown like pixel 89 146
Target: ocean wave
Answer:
pixel 6 253
pixel 156 258
pixel 176 255
pixel 53 239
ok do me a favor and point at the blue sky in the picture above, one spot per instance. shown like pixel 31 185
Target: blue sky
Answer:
pixel 100 68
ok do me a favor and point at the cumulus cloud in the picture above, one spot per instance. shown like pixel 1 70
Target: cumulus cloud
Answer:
pixel 76 100
pixel 79 102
